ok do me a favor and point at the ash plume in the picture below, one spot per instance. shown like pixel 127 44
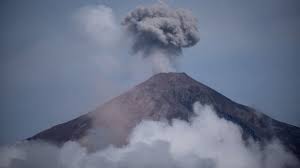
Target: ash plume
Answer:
pixel 159 32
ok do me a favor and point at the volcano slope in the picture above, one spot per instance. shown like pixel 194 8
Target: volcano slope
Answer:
pixel 163 97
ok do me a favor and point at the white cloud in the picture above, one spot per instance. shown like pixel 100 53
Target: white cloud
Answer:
pixel 100 24
pixel 207 141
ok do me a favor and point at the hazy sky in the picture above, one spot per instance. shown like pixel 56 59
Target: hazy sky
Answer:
pixel 53 69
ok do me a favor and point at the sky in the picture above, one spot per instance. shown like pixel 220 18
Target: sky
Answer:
pixel 53 67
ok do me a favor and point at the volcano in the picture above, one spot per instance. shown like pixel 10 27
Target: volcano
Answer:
pixel 166 96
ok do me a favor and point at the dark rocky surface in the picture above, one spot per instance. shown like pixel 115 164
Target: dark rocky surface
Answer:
pixel 167 96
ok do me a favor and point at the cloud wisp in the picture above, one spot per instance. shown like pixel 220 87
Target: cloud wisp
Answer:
pixel 99 23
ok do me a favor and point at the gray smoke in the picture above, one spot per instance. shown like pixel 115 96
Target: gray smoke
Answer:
pixel 160 32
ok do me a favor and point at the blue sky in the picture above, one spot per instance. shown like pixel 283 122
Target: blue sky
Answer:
pixel 52 72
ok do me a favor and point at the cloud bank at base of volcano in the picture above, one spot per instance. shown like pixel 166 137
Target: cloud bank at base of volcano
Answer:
pixel 207 141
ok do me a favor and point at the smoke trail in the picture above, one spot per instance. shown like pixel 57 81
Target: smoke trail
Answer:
pixel 160 32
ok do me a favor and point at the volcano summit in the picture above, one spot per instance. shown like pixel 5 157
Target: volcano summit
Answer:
pixel 168 96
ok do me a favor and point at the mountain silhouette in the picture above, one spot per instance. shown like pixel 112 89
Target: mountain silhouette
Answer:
pixel 166 96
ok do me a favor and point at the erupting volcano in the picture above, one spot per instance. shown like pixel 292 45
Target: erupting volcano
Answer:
pixel 166 96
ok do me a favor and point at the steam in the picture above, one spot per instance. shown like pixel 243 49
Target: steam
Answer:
pixel 99 23
pixel 207 141
pixel 159 33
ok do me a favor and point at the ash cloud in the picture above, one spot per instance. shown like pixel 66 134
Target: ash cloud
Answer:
pixel 207 141
pixel 159 33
